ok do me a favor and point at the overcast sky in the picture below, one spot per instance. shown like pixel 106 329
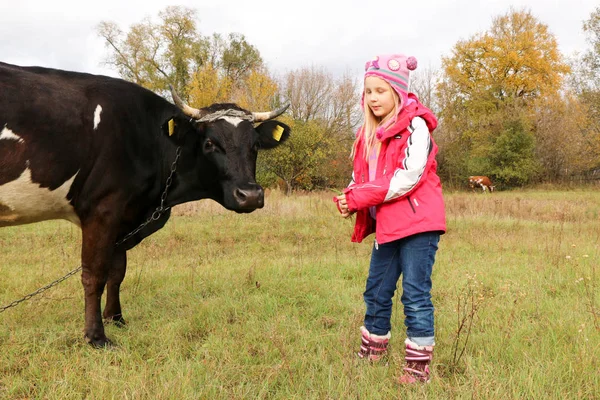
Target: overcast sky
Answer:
pixel 337 35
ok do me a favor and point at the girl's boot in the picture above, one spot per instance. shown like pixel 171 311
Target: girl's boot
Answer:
pixel 373 347
pixel 418 359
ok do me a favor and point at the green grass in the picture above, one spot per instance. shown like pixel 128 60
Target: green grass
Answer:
pixel 268 306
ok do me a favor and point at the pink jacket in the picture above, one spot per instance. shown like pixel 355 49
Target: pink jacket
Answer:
pixel 406 191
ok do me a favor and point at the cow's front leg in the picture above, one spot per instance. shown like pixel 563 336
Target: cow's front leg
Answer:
pixel 116 274
pixel 98 242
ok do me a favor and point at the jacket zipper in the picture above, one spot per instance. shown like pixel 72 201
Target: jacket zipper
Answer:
pixel 411 204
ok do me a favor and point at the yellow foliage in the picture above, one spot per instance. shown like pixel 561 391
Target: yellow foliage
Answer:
pixel 517 58
pixel 563 146
pixel 208 87
pixel 492 88
pixel 257 92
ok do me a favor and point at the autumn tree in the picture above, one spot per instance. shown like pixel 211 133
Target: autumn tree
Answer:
pixel 489 89
pixel 585 83
pixel 296 162
pixel 315 94
pixel 258 91
pixel 591 58
pixel 570 152
pixel 239 58
pixel 156 54
pixel 203 69
pixel 591 95
pixel 326 109
pixel 423 83
pixel 209 86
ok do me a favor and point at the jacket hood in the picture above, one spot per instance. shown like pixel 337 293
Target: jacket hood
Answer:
pixel 412 109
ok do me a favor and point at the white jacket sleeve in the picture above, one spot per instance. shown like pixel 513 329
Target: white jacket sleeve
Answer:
pixel 415 160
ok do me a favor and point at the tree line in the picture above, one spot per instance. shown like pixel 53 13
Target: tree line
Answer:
pixel 510 105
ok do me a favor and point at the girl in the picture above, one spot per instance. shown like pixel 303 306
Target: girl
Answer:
pixel 397 195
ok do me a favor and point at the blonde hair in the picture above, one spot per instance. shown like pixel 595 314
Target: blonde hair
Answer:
pixel 371 123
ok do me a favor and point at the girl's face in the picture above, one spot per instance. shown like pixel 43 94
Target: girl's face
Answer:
pixel 379 96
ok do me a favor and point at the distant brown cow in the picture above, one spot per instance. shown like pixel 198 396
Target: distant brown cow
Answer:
pixel 482 182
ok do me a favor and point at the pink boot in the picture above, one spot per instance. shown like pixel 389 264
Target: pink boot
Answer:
pixel 418 359
pixel 373 347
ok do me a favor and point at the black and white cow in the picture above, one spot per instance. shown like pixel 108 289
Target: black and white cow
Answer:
pixel 98 151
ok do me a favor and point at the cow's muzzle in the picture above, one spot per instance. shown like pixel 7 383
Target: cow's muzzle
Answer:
pixel 248 198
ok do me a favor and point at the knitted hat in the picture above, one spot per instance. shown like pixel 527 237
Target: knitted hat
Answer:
pixel 394 69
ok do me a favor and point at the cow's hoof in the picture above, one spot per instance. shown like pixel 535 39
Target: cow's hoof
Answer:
pixel 99 343
pixel 116 320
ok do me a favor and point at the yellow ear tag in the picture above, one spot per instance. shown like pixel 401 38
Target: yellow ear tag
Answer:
pixel 277 132
pixel 171 127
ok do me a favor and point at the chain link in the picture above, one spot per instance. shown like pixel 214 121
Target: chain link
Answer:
pixel 154 217
pixel 40 290
pixel 161 208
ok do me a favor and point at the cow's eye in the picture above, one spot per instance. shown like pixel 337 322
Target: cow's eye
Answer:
pixel 209 145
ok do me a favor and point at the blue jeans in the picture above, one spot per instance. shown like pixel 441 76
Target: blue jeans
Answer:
pixel 413 258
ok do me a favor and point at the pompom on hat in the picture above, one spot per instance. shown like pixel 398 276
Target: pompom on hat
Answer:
pixel 394 69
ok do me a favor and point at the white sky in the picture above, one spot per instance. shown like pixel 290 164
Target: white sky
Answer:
pixel 337 35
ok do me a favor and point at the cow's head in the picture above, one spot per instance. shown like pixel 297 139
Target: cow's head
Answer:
pixel 223 143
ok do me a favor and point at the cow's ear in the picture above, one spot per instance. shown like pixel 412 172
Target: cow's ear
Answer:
pixel 175 128
pixel 272 133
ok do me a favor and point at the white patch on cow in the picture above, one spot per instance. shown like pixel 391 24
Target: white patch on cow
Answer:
pixel 23 201
pixel 97 116
pixel 7 134
pixel 235 121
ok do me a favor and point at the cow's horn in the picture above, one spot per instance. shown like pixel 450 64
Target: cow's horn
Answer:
pixel 187 110
pixel 264 116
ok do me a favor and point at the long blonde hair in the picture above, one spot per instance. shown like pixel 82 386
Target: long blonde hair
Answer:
pixel 372 123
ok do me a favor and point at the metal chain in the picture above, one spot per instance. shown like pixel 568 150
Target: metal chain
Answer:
pixel 40 290
pixel 160 209
pixel 154 217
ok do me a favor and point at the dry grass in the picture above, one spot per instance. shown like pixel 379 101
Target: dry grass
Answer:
pixel 268 305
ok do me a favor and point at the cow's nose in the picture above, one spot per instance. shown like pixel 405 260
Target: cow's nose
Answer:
pixel 249 198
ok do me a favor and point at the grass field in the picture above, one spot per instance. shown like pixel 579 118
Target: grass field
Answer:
pixel 268 306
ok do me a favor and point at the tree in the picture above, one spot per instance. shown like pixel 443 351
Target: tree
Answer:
pixel 258 91
pixel 154 55
pixel 305 150
pixel 239 58
pixel 333 105
pixel 209 86
pixel 563 147
pixel 489 91
pixel 591 59
pixel 511 156
pixel 309 91
pixel 517 58
pixel 586 85
pixel 174 52
pixel 423 83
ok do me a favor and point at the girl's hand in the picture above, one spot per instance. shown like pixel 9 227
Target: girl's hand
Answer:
pixel 342 205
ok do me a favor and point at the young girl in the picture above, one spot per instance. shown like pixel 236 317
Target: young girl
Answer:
pixel 397 195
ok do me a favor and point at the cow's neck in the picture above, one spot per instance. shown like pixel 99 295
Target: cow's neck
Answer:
pixel 186 184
